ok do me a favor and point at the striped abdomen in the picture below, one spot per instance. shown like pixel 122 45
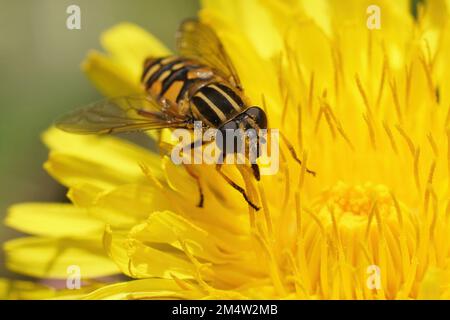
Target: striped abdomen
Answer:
pixel 215 104
pixel 173 77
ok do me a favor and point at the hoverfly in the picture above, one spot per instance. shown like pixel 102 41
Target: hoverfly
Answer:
pixel 200 84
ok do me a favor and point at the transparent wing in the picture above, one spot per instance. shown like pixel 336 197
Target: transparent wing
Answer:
pixel 123 114
pixel 197 40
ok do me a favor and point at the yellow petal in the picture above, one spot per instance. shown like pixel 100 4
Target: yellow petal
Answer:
pixel 103 148
pixel 168 227
pixel 80 195
pixel 111 78
pixel 123 206
pixel 116 247
pixel 103 161
pixel 84 194
pixel 225 210
pixel 134 203
pixel 253 21
pixel 146 288
pixel 137 260
pixel 249 63
pixel 24 290
pixel 71 170
pixel 53 219
pixel 435 284
pixel 149 262
pixel 50 258
pixel 130 45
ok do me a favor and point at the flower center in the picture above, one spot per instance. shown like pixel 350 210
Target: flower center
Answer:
pixel 358 200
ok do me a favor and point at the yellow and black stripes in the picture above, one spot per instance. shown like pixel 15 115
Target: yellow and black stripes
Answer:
pixel 215 104
pixel 169 77
pixel 156 68
pixel 211 101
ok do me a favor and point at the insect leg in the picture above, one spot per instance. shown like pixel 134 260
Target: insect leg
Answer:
pixel 235 186
pixel 294 154
pixel 194 175
pixel 256 173
pixel 197 179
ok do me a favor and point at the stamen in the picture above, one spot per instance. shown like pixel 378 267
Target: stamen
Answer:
pixel 330 124
pixel 382 81
pixel 298 205
pixel 391 137
pixel 336 83
pixel 408 76
pixel 370 218
pixel 366 253
pixel 363 94
pixel 287 187
pixel 428 188
pixel 311 93
pixel 429 77
pixel 397 209
pixel 334 224
pixel 267 216
pixel 183 284
pixel 394 91
pixel 335 73
pixel 407 286
pixel 346 138
pixel 273 267
pixel 298 212
pixel 379 223
pixel 300 127
pixel 447 119
pixel 431 172
pixel 319 117
pixel 198 267
pixel 416 170
pixel 298 283
pixel 340 65
pixel 433 144
pixel 428 52
pixel 316 220
pixel 301 178
pixel 408 140
pixel 303 264
pixel 298 70
pixel 369 123
pixel 435 213
pixel 324 283
pixel 359 271
pixel 285 107
pixel 338 125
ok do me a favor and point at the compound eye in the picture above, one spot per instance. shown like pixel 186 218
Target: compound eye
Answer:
pixel 258 115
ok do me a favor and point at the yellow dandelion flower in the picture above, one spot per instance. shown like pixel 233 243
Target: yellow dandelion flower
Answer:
pixel 367 109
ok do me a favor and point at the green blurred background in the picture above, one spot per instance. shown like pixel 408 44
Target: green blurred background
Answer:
pixel 40 78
